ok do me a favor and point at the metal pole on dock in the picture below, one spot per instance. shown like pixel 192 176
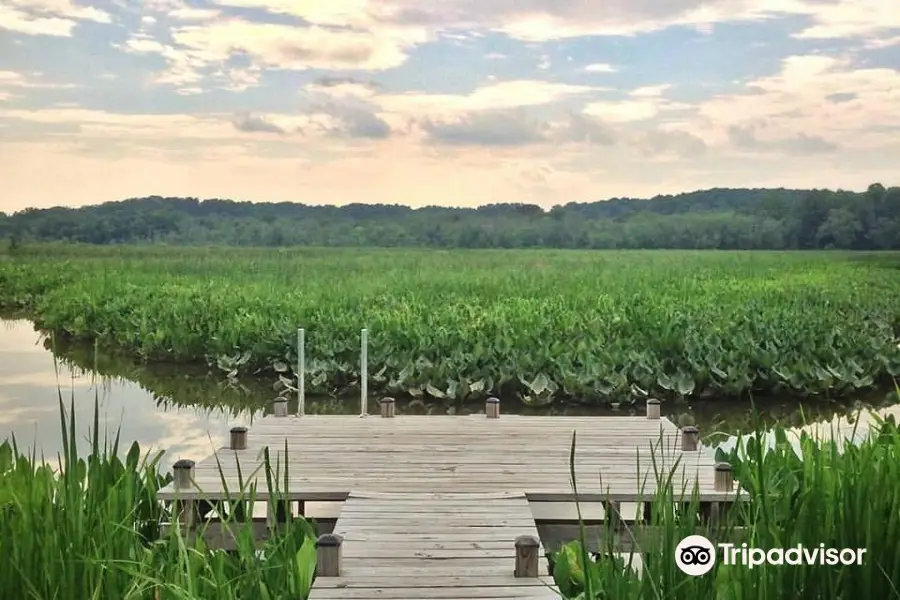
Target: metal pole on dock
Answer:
pixel 364 374
pixel 301 371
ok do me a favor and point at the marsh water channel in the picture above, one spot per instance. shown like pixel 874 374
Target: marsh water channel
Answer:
pixel 188 410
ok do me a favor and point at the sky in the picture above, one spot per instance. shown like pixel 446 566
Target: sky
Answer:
pixel 451 102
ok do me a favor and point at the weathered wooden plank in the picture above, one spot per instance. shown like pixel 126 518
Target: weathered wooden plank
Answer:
pixel 699 471
pixel 459 470
pixel 398 543
pixel 535 496
pixel 375 549
pixel 420 455
pixel 436 528
pixel 500 535
pixel 355 461
pixel 473 569
pixel 425 593
pixel 459 565
pixel 559 495
pixel 424 520
pixel 530 485
pixel 440 581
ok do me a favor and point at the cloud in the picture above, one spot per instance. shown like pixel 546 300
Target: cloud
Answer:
pixel 353 121
pixel 643 103
pixel 487 128
pixel 47 17
pixel 289 47
pixel 543 20
pixel 600 68
pixel 547 20
pixel 850 18
pixel 518 127
pixel 745 138
pixel 12 83
pixel 492 97
pixel 251 124
pixel 583 128
pixel 650 91
pixel 192 14
pixel 341 13
pixel 341 87
pixel 878 43
pixel 671 143
pixel 799 103
pixel 210 42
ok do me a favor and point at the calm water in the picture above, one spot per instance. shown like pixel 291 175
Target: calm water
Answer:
pixel 188 411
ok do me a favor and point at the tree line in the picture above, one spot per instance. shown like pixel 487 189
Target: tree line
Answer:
pixel 710 219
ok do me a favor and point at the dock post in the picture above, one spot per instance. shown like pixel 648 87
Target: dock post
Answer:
pixel 187 510
pixel 387 407
pixel 689 439
pixel 527 559
pixel 238 438
pixel 492 408
pixel 653 408
pixel 328 555
pixel 301 371
pixel 724 480
pixel 364 373
pixel 279 406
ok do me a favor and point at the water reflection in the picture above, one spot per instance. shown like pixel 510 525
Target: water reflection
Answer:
pixel 31 383
pixel 187 411
pixel 851 427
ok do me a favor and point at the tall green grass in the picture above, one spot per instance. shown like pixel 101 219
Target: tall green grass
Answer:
pixel 842 495
pixel 90 528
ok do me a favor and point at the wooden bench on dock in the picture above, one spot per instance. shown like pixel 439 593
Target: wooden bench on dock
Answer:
pixel 438 506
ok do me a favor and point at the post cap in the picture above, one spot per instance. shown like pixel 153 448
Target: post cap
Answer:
pixel 329 540
pixel 238 430
pixel 652 401
pixel 689 429
pixel 279 399
pixel 724 467
pixel 184 463
pixel 493 400
pixel 387 400
pixel 527 541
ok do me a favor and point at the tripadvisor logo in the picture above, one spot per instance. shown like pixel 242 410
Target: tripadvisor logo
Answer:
pixel 695 555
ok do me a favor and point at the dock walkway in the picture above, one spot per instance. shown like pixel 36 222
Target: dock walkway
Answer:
pixel 434 505
pixel 433 546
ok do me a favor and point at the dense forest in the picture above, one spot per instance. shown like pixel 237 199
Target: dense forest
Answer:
pixel 716 218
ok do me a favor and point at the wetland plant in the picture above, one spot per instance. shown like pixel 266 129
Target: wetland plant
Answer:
pixel 809 491
pixel 91 527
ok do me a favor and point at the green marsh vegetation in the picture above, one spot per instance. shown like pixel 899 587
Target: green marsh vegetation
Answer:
pixel 800 491
pixel 541 325
pixel 90 526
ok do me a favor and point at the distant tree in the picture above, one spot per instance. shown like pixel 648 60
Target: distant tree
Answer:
pixel 709 219
pixel 14 243
pixel 840 229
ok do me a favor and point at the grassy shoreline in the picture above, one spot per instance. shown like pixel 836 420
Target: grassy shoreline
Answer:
pixel 90 527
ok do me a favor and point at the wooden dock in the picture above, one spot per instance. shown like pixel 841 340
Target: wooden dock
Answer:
pixel 438 506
